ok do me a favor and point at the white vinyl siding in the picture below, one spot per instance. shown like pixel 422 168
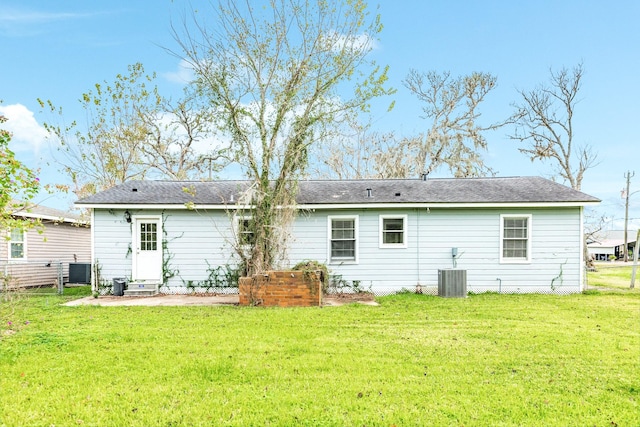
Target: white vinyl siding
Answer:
pixel 515 238
pixel 393 231
pixel 380 268
pixel 343 239
pixel 195 243
pixel 199 241
pixel 554 249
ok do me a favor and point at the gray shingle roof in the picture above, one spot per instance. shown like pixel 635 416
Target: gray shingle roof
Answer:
pixel 448 190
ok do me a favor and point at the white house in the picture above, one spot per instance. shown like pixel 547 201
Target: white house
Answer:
pixel 518 234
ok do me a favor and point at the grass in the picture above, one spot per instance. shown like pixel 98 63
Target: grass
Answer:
pixel 614 276
pixel 487 360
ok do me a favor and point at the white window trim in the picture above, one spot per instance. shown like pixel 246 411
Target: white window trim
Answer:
pixel 356 232
pixel 527 260
pixel 24 247
pixel 405 234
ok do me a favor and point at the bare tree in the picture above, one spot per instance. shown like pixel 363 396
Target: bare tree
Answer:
pixel 544 123
pixel 593 225
pixel 357 152
pixel 273 73
pixel 181 142
pixel 454 139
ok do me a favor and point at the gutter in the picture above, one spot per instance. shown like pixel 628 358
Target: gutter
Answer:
pixel 422 205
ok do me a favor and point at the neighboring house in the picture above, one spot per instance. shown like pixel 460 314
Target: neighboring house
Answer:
pixel 609 245
pixel 520 234
pixel 40 256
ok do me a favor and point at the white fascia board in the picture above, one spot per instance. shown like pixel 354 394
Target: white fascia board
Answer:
pixel 181 206
pixel 447 205
pixel 47 217
pixel 346 206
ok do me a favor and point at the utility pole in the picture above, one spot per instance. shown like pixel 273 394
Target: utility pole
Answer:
pixel 635 260
pixel 626 195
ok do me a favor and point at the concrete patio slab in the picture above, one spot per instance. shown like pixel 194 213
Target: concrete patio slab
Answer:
pixel 157 300
pixel 184 300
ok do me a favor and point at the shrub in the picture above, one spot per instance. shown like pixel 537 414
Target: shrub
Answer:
pixel 311 265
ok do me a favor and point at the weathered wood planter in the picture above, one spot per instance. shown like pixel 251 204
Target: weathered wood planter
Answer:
pixel 282 289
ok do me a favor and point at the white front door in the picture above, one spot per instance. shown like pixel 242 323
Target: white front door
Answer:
pixel 147 249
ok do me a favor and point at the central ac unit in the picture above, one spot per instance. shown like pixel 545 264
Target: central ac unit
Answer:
pixel 452 283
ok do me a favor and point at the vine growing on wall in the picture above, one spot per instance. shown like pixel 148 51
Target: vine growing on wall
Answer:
pixel 168 271
pixel 101 285
pixel 559 277
pixel 219 278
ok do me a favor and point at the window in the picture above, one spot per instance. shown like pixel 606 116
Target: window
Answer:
pixel 246 236
pixel 148 236
pixel 17 244
pixel 393 231
pixel 343 244
pixel 515 242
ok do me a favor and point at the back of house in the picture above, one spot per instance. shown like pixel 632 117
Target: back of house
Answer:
pixel 518 234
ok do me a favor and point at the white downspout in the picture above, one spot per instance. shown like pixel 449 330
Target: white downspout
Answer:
pixel 583 262
pixel 418 247
pixel 94 285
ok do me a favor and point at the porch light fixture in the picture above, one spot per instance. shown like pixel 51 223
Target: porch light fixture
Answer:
pixel 127 216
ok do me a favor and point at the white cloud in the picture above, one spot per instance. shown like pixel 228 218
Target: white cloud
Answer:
pixel 26 17
pixel 17 22
pixel 361 42
pixel 184 73
pixel 27 134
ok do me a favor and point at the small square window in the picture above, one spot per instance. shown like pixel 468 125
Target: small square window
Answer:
pixel 393 231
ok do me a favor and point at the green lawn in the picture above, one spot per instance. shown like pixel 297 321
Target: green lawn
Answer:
pixel 613 275
pixel 486 360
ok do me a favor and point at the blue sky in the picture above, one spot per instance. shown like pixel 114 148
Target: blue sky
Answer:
pixel 58 50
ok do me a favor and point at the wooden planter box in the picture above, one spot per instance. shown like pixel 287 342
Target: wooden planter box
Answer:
pixel 282 289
